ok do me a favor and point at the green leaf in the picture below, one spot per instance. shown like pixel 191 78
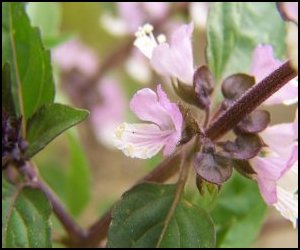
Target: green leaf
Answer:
pixel 235 29
pixel 78 177
pixel 138 220
pixel 239 212
pixel 30 63
pixel 49 122
pixel 25 217
pixel 7 98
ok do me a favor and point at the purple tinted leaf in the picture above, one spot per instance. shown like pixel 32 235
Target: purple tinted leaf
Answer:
pixel 255 122
pixel 203 84
pixel 212 167
pixel 245 146
pixel 235 85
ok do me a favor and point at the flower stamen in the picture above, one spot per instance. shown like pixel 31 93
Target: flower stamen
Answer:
pixel 145 40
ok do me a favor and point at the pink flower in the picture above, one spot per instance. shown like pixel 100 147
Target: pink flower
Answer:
pixel 263 63
pixel 287 195
pixel 281 138
pixel 173 59
pixel 144 140
pixel 277 168
pixel 109 113
pixel 74 55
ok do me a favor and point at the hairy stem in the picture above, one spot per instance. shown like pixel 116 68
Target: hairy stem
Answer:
pixel 250 100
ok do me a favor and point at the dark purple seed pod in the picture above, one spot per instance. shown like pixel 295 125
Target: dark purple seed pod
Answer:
pixel 255 122
pixel 245 146
pixel 212 168
pixel 235 85
pixel 203 85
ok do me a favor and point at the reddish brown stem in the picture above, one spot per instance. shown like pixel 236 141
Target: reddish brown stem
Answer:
pixel 250 100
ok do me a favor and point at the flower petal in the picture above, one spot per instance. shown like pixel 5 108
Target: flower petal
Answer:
pixel 176 117
pixel 280 138
pixel 145 140
pixel 146 106
pixel 287 192
pixel 140 140
pixel 171 108
pixel 176 59
pixel 287 205
pixel 171 143
pixel 161 60
pixel 268 190
pixel 269 170
pixel 269 167
pixel 263 62
pixel 287 95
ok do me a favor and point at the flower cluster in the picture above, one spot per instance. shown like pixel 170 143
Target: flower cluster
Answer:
pixel 266 154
